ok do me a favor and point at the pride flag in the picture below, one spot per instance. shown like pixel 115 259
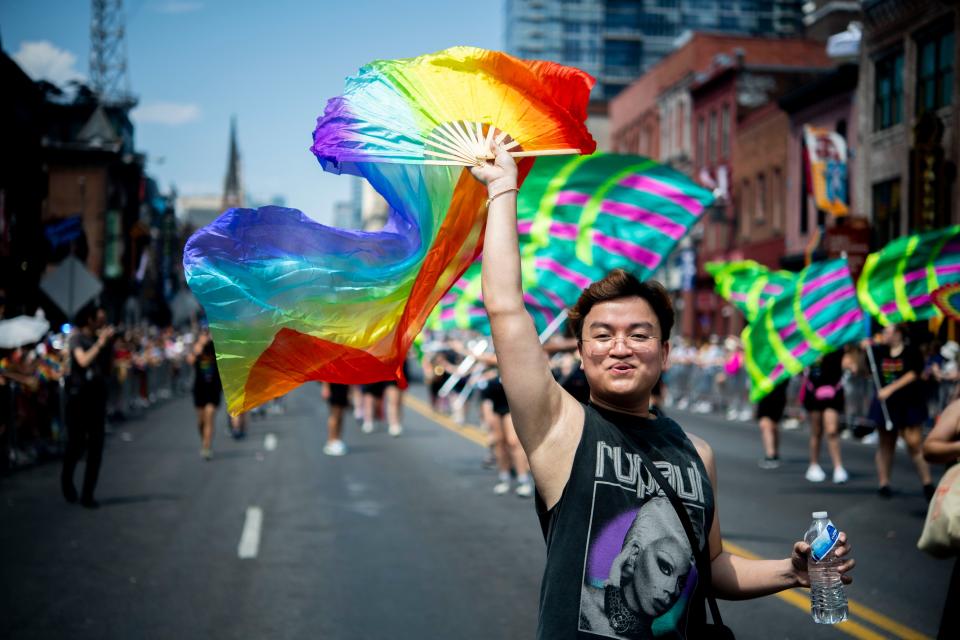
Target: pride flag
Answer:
pixel 897 282
pixel 816 314
pixel 748 285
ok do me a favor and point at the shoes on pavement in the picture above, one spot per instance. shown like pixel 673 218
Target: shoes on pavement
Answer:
pixel 501 487
pixel 335 448
pixel 769 462
pixel 524 489
pixel 206 453
pixel 367 427
pixel 89 503
pixel 885 492
pixel 928 491
pixel 840 475
pixel 815 473
pixel 871 438
pixel 395 430
pixel 69 492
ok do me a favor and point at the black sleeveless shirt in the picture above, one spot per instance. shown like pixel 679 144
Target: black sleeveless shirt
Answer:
pixel 619 564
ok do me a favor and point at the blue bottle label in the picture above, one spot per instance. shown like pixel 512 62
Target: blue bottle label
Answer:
pixel 824 542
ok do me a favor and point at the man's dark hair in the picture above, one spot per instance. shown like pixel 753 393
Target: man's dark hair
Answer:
pixel 87 314
pixel 620 284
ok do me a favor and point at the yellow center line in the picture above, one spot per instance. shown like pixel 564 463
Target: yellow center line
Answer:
pixel 468 431
pixel 799 598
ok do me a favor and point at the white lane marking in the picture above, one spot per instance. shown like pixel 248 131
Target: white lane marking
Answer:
pixel 250 538
pixel 270 442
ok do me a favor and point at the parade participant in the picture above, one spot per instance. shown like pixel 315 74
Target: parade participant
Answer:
pixel 823 399
pixel 506 447
pixel 337 397
pixel 588 478
pixel 383 397
pixel 207 389
pixel 943 446
pixel 90 361
pixel 901 366
pixel 769 414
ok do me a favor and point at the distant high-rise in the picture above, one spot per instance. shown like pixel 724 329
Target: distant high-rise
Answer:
pixel 617 40
pixel 232 183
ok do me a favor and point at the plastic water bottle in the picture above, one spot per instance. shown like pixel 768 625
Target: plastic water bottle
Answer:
pixel 828 601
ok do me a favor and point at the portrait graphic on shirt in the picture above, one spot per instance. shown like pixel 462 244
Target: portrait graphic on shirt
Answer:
pixel 639 569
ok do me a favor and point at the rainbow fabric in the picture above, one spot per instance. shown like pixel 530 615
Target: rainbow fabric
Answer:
pixel 748 285
pixel 818 313
pixel 579 217
pixel 897 282
pixel 947 299
pixel 290 300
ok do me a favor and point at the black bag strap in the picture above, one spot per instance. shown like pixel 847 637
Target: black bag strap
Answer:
pixel 702 556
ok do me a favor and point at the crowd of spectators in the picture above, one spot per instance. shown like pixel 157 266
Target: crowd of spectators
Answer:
pixel 148 365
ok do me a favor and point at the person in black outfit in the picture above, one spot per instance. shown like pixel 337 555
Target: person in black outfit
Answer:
pixel 823 401
pixel 901 366
pixel 588 460
pixel 207 389
pixel 90 361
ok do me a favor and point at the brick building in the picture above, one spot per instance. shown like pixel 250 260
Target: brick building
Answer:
pixel 642 116
pixel 909 121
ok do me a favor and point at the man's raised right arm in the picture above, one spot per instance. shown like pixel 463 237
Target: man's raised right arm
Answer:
pixel 548 420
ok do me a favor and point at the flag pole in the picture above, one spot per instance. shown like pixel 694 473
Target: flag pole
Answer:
pixel 888 423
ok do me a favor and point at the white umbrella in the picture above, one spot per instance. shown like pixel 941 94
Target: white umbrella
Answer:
pixel 22 330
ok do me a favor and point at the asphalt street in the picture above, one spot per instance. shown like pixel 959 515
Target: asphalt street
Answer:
pixel 401 538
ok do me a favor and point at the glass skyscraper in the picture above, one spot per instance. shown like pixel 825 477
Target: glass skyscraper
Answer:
pixel 617 40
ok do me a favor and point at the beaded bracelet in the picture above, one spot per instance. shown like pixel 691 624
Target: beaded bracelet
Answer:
pixel 497 195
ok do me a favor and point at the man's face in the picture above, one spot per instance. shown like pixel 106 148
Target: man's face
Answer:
pixel 617 365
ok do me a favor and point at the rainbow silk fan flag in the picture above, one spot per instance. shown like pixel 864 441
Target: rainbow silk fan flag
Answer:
pixel 290 300
pixel 748 285
pixel 897 282
pixel 816 314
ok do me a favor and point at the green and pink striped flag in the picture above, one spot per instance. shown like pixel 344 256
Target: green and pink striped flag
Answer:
pixel 897 282
pixel 579 217
pixel 816 314
pixel 748 285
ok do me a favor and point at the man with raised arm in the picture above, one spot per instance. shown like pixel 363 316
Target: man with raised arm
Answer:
pixel 619 562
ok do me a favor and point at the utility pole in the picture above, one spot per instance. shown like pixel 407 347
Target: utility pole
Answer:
pixel 108 53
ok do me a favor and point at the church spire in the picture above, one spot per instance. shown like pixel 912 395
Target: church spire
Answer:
pixel 232 184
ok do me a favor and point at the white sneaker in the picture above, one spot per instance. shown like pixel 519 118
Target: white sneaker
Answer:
pixel 840 475
pixel 871 438
pixel 524 489
pixel 746 415
pixel 501 487
pixel 395 430
pixel 367 427
pixel 335 448
pixel 815 473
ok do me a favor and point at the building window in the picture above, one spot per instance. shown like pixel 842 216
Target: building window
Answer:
pixel 713 137
pixel 678 145
pixel 760 210
pixel 935 72
pixel 776 199
pixel 886 211
pixel 888 104
pixel 745 207
pixel 701 141
pixel 725 132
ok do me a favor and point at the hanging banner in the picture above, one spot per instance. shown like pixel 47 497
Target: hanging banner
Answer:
pixel 827 155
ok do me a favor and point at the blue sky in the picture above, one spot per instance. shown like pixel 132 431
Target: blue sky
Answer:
pixel 194 63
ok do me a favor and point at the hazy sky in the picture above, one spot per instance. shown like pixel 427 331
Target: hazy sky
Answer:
pixel 194 63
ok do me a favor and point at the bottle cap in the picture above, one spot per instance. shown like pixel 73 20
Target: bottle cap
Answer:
pixel 819 515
